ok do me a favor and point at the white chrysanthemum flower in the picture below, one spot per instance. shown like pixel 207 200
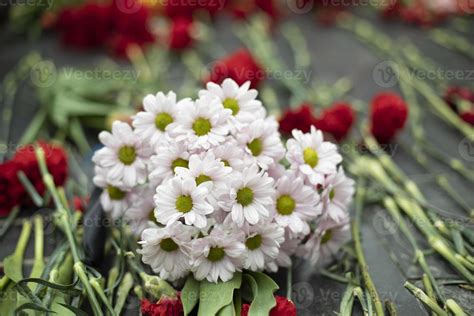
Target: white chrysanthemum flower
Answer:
pixel 123 157
pixel 295 203
pixel 337 195
pixel 276 171
pixel 165 249
pixel 203 125
pixel 261 142
pixel 250 198
pixel 159 117
pixel 140 214
pixel 240 100
pixel 217 256
pixel 114 200
pixel 178 198
pixel 262 243
pixel 230 154
pixel 311 156
pixel 287 249
pixel 164 163
pixel 324 243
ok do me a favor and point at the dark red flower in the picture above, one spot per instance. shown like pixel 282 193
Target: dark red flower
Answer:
pixel 301 118
pixel 337 120
pixel 56 161
pixel 180 36
pixel 461 100
pixel 85 26
pixel 283 307
pixel 240 66
pixel 270 7
pixel 80 203
pixel 388 114
pixel 11 190
pixel 166 306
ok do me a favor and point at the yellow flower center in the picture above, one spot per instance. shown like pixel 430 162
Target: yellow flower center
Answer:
pixel 245 196
pixel 216 254
pixel 332 193
pixel 255 146
pixel 231 104
pixel 326 236
pixel 202 126
pixel 310 157
pixel 180 162
pixel 202 178
pixel 127 155
pixel 162 120
pixel 168 245
pixel 115 193
pixel 254 242
pixel 285 205
pixel 184 203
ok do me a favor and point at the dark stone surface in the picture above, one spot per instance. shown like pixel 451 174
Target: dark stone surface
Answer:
pixel 335 53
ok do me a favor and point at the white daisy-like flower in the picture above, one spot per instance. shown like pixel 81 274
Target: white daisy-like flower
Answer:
pixel 164 163
pixel 114 200
pixel 165 249
pixel 217 256
pixel 250 198
pixel 159 117
pixel 181 198
pixel 337 195
pixel 262 243
pixel 295 203
pixel 140 214
pixel 287 249
pixel 311 156
pixel 203 125
pixel 230 154
pixel 123 157
pixel 324 243
pixel 276 171
pixel 261 142
pixel 240 100
pixel 207 171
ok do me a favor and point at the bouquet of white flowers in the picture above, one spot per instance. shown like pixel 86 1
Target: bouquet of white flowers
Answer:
pixel 211 189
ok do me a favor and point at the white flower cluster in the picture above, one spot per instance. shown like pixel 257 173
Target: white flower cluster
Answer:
pixel 204 184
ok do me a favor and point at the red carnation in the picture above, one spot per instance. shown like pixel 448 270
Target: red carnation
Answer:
pixel 11 190
pixel 56 161
pixel 240 66
pixel 180 36
pixel 80 203
pixel 337 120
pixel 457 98
pixel 301 119
pixel 388 114
pixel 283 307
pixel 166 306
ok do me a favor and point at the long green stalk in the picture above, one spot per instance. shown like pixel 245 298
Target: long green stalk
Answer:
pixel 369 284
pixel 425 299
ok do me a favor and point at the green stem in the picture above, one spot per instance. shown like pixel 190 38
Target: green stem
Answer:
pixel 9 221
pixel 428 288
pixel 98 288
pixel 30 188
pixel 455 308
pixel 289 282
pixel 391 308
pixel 425 299
pixel 379 311
pixel 79 269
pixel 38 264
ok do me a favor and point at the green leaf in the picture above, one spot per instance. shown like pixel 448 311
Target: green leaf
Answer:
pixel 8 300
pixel 32 306
pixel 66 289
pixel 264 300
pixel 190 294
pixel 214 296
pixel 227 310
